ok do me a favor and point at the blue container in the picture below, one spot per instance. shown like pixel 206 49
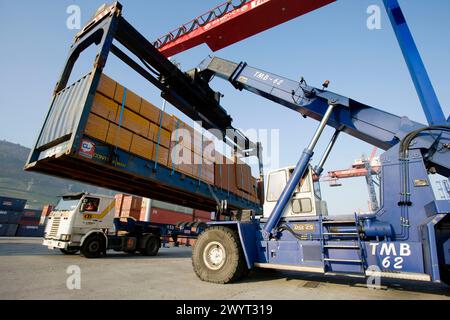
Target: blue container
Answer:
pixel 30 231
pixel 3 229
pixel 12 204
pixel 14 217
pixel 7 216
pixel 3 216
pixel 8 230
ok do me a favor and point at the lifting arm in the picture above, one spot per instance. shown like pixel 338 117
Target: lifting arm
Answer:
pixel 366 123
pixel 372 125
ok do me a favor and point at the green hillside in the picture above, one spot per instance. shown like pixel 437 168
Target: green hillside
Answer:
pixel 38 189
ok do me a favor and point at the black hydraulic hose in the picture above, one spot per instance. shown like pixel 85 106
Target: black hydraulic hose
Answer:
pixel 405 199
pixel 406 141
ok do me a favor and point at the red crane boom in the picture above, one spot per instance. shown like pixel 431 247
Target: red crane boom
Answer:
pixel 229 23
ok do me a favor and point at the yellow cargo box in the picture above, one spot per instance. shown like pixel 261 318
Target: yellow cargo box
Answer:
pixel 132 100
pixel 149 111
pixel 104 107
pixel 107 86
pixel 119 137
pixel 163 154
pixel 142 147
pixel 164 135
pixel 96 127
pixel 134 122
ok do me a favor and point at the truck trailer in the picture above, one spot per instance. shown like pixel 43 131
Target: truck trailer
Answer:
pixel 86 222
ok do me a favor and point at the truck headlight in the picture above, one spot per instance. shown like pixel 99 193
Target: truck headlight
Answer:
pixel 65 237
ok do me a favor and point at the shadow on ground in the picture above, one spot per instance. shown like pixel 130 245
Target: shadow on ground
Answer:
pixel 314 280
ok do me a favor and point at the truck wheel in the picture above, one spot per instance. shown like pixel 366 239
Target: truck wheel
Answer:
pixel 93 246
pixel 217 256
pixel 151 247
pixel 70 251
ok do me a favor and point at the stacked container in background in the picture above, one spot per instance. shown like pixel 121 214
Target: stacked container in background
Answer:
pixel 29 224
pixel 10 215
pixel 160 212
pixel 45 213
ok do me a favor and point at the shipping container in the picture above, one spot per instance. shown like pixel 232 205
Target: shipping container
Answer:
pixel 200 215
pixel 30 215
pixel 30 231
pixel 47 209
pixel 8 230
pixel 109 137
pixel 171 207
pixel 12 217
pixel 12 204
pixel 159 215
pixel 3 216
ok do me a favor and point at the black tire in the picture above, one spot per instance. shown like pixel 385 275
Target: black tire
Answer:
pixel 93 246
pixel 152 246
pixel 70 251
pixel 201 225
pixel 229 265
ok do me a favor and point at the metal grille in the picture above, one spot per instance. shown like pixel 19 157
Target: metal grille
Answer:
pixel 200 21
pixel 55 227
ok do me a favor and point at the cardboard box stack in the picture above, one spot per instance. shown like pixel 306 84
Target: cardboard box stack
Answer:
pixel 235 176
pixel 121 118
pixel 128 206
pixel 191 152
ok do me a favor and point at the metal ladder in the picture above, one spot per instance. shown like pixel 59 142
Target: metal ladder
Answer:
pixel 327 235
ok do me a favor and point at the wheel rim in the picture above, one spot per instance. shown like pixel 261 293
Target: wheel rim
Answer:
pixel 214 255
pixel 93 246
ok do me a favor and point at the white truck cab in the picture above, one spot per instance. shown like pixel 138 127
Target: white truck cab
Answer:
pixel 75 218
pixel 306 200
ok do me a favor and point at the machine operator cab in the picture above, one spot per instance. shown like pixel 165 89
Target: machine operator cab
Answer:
pixel 76 216
pixel 306 200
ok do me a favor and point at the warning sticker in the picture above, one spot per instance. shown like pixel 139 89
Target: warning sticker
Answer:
pixel 87 149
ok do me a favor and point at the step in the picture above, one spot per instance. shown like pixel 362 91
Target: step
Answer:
pixel 332 246
pixel 339 222
pixel 340 234
pixel 342 260
pixel 346 274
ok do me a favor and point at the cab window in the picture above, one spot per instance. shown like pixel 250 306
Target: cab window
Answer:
pixel 275 186
pixel 90 204
pixel 317 192
pixel 303 205
pixel 304 185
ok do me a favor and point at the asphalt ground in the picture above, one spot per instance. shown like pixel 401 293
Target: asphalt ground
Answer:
pixel 29 270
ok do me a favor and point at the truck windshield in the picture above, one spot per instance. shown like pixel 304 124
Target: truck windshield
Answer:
pixel 67 204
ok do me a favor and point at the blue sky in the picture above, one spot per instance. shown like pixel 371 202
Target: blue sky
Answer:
pixel 331 43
